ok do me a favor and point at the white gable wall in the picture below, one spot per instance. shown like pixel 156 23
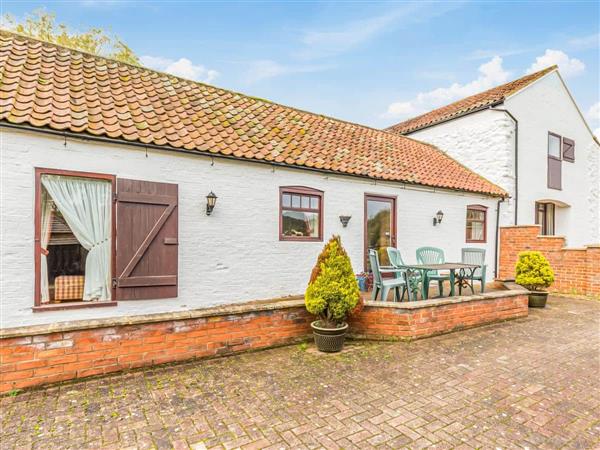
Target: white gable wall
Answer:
pixel 542 107
pixel 483 142
pixel 235 254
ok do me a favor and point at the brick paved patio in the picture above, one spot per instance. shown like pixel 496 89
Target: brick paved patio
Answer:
pixel 531 382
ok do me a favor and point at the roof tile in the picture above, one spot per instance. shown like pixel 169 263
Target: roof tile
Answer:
pixel 473 103
pixel 44 85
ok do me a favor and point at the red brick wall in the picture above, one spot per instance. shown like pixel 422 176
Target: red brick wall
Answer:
pixel 385 322
pixel 48 358
pixel 43 357
pixel 576 270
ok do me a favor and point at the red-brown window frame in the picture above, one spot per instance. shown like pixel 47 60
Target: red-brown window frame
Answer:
pixel 479 208
pixel 39 171
pixel 544 224
pixel 394 217
pixel 560 150
pixel 302 190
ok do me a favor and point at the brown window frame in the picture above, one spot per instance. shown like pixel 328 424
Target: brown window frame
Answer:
pixel 559 158
pixel 479 208
pixel 38 234
pixel 544 224
pixel 302 190
pixel 393 199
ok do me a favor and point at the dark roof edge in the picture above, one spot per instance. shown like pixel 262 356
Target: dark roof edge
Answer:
pixel 448 119
pixel 90 137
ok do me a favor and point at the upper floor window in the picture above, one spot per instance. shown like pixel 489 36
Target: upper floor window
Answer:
pixel 301 214
pixel 554 161
pixel 476 223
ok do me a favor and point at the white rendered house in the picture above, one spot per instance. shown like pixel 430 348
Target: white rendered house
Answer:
pixel 110 173
pixel 529 137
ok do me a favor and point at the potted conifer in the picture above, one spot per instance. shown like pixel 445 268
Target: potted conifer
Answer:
pixel 332 295
pixel 534 273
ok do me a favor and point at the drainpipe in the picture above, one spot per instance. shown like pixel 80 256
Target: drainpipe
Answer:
pixel 516 222
pixel 496 255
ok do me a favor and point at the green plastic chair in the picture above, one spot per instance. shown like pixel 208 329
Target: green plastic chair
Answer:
pixel 381 284
pixel 476 256
pixel 397 262
pixel 433 255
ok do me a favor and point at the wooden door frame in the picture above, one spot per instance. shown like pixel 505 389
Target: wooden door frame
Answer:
pixel 39 171
pixel 388 198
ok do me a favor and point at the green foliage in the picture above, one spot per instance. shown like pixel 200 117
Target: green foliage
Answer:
pixel 41 25
pixel 533 271
pixel 332 292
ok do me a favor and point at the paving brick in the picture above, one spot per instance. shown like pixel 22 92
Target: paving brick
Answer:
pixel 531 382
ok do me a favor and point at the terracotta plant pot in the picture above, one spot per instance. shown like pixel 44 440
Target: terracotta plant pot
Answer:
pixel 329 340
pixel 537 299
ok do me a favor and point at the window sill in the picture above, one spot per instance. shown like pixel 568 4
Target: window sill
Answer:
pixel 72 305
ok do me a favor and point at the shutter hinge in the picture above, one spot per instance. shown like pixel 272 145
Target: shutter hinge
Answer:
pixel 114 282
pixel 115 197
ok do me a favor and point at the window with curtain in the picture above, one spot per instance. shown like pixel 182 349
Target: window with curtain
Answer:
pixel 476 223
pixel 300 214
pixel 75 242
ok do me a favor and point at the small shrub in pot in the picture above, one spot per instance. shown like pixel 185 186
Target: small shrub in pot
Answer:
pixel 535 274
pixel 332 295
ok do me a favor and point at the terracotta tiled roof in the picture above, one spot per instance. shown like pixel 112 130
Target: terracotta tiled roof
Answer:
pixel 44 85
pixel 466 105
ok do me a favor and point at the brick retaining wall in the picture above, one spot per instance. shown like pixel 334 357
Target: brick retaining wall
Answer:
pixel 36 355
pixel 437 316
pixel 576 270
pixel 34 359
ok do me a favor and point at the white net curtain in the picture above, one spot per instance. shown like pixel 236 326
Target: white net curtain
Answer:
pixel 85 204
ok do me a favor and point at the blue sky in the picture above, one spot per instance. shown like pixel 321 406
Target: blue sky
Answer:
pixel 375 63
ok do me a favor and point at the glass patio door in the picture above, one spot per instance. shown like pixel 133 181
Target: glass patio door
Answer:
pixel 380 227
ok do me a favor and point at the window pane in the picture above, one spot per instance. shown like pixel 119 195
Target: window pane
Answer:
pixel 473 214
pixel 477 231
pixel 295 201
pixel 314 202
pixel 286 200
pixel 305 202
pixel 300 224
pixel 554 146
pixel 550 219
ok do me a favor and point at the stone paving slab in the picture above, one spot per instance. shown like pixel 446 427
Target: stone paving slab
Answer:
pixel 528 383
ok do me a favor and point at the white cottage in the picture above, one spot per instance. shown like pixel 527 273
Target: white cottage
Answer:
pixel 529 137
pixel 128 191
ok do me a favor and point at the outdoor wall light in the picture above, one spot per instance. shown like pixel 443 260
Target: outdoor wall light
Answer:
pixel 438 218
pixel 211 200
pixel 345 220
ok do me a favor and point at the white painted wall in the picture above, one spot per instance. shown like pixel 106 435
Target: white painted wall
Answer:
pixel 542 107
pixel 232 256
pixel 484 142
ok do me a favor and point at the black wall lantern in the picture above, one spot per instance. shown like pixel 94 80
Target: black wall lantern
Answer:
pixel 345 220
pixel 438 218
pixel 211 200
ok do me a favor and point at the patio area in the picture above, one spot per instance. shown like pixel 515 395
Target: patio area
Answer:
pixel 530 382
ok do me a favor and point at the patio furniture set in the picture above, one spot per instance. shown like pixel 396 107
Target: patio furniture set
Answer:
pixel 431 266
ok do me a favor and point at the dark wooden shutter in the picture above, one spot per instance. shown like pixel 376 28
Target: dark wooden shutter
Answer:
pixel 146 258
pixel 554 173
pixel 568 148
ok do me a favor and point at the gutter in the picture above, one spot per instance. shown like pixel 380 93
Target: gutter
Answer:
pixel 516 221
pixel 497 238
pixel 208 154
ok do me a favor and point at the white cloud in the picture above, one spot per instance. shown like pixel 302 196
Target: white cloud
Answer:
pixel 585 42
pixel 594 111
pixel 266 68
pixel 343 37
pixel 183 67
pixel 569 67
pixel 490 74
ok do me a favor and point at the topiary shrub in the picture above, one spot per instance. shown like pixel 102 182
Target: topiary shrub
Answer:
pixel 332 292
pixel 533 271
